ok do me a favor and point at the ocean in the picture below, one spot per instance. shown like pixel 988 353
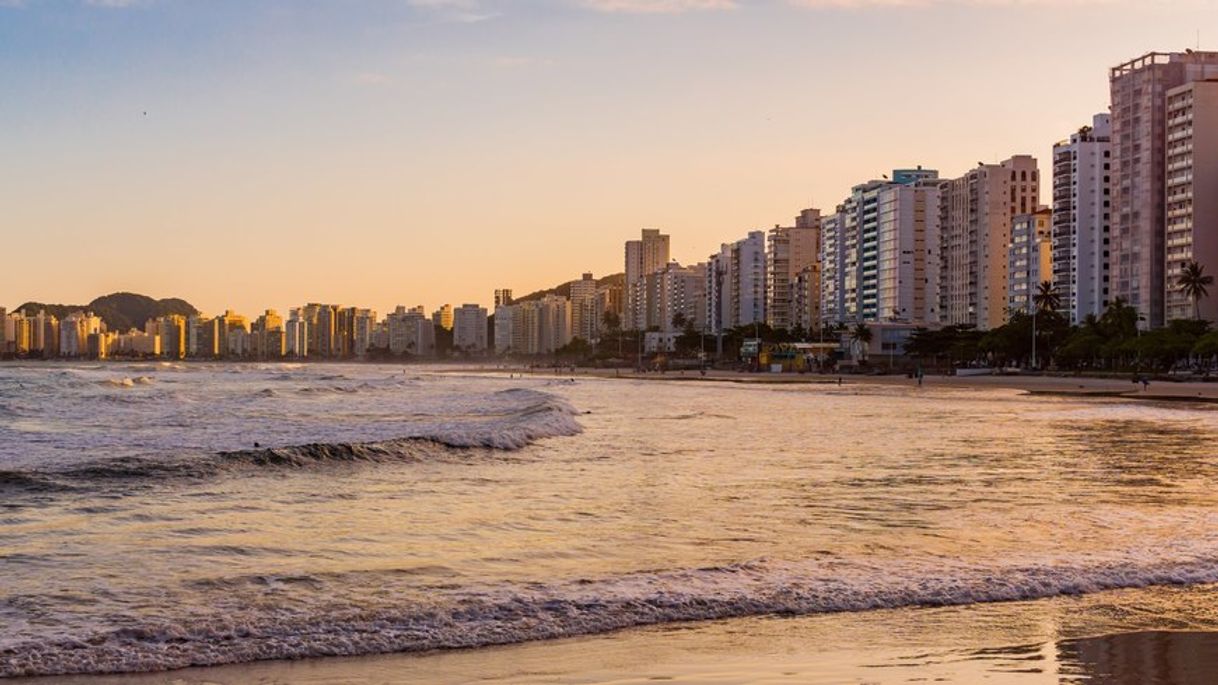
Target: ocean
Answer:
pixel 163 516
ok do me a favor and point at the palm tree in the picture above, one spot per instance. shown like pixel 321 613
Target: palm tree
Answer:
pixel 1195 284
pixel 1047 299
pixel 862 335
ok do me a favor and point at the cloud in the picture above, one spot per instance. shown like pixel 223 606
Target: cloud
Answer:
pixel 658 6
pixel 114 3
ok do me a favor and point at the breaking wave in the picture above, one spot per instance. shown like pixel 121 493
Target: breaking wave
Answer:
pixel 530 416
pixel 497 615
pixel 126 382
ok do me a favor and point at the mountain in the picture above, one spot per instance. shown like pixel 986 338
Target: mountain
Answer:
pixel 564 289
pixel 120 311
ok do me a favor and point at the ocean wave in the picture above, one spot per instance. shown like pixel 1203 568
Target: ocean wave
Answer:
pixel 524 418
pixel 479 617
pixel 126 382
pixel 22 481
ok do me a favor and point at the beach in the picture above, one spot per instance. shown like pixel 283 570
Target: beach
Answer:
pixel 380 524
pixel 1001 644
pixel 1081 386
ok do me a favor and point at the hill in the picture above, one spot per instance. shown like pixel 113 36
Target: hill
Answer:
pixel 120 311
pixel 564 289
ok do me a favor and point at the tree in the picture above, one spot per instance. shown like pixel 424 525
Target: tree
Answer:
pixel 678 320
pixel 578 348
pixel 611 320
pixel 1194 283
pixel 612 324
pixel 1047 299
pixel 861 335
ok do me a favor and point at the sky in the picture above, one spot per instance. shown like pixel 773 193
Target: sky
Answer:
pixel 248 154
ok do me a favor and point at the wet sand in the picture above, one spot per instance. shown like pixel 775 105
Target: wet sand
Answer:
pixel 1003 644
pixel 1074 386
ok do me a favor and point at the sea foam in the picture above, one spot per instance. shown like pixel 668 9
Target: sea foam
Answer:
pixel 494 615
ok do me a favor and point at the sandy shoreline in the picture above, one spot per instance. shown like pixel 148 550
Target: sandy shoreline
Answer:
pixel 1038 385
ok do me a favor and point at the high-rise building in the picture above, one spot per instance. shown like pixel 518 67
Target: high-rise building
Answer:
pixel 880 253
pixel 234 334
pixel 74 332
pixel 503 297
pixel 735 290
pixel 536 326
pixel 805 299
pixel 469 329
pixel 203 336
pixel 791 249
pixel 1191 193
pixel 363 331
pixel 267 339
pixel 296 335
pixel 1081 219
pixel 610 298
pixel 584 321
pixel 832 267
pixel 748 284
pixel 23 334
pixel 344 332
pixel 1029 259
pixel 325 328
pixel 676 298
pixel 975 212
pixel 443 317
pixel 44 335
pixel 172 329
pixel 907 249
pixel 411 333
pixel 1139 169
pixel 645 256
pixel 504 318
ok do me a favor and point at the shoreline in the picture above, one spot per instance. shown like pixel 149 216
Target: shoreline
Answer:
pixel 1043 386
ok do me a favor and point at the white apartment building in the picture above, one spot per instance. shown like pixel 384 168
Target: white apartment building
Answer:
pixel 736 284
pixel 1082 172
pixel 470 329
pixel 585 321
pixel 907 253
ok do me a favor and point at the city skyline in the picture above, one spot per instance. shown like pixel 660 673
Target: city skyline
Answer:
pixel 427 154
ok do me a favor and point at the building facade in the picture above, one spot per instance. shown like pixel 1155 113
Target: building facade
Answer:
pixel 790 250
pixel 1029 259
pixel 645 256
pixel 1139 91
pixel 1191 191
pixel 1082 212
pixel 470 329
pixel 975 213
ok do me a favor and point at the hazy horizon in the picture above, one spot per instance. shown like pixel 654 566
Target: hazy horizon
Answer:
pixel 261 155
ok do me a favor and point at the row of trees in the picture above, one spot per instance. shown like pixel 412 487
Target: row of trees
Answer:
pixel 692 343
pixel 1112 341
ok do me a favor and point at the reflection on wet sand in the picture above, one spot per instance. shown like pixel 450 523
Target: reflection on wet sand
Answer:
pixel 1146 658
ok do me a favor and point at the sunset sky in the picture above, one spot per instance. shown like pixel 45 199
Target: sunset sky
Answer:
pixel 263 153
